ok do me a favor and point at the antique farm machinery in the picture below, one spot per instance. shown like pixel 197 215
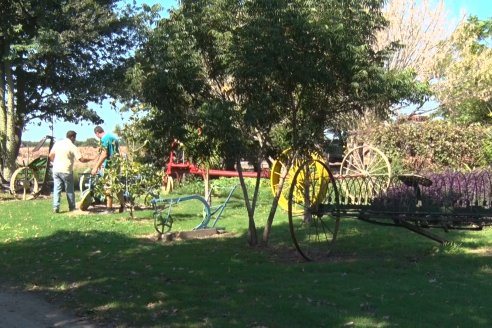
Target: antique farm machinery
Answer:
pixel 31 179
pixel 178 167
pixel 318 200
pixel 359 161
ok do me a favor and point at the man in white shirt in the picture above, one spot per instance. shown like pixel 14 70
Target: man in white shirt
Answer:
pixel 62 155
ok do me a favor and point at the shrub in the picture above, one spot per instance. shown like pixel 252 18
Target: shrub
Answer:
pixel 432 145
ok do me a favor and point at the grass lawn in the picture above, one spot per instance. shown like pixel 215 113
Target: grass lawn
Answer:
pixel 113 269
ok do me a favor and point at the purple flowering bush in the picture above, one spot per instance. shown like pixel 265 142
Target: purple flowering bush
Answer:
pixel 450 192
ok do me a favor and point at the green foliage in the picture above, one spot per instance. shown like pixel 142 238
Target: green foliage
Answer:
pixel 487 146
pixel 463 73
pixel 57 57
pixel 448 248
pixel 181 74
pixel 211 65
pixel 221 186
pixel 240 79
pixel 90 142
pixel 431 145
pixel 224 183
pixel 70 55
pixel 110 180
pixel 141 179
pixel 303 67
pixel 192 185
pixel 134 180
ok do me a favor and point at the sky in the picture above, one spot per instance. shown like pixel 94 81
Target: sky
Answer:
pixel 34 131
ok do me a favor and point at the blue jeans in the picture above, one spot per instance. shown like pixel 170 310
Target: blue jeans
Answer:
pixel 63 181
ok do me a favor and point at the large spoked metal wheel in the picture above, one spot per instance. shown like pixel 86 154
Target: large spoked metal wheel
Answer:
pixel 24 184
pixel 365 173
pixel 280 169
pixel 313 208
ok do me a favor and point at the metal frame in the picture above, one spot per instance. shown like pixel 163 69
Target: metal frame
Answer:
pixel 449 201
pixel 163 208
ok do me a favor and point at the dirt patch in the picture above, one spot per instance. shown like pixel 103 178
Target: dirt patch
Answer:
pixel 186 235
pixel 28 310
pixel 484 251
pixel 94 209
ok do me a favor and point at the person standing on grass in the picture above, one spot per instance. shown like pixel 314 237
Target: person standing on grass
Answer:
pixel 109 148
pixel 62 155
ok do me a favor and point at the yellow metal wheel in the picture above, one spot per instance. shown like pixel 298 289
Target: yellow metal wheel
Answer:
pixel 24 184
pixel 86 200
pixel 280 169
pixel 167 185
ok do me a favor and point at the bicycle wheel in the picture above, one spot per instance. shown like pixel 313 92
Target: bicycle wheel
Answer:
pixel 24 184
pixel 313 208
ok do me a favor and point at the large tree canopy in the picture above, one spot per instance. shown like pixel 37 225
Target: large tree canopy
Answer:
pixel 266 61
pixel 182 73
pixel 55 58
pixel 313 64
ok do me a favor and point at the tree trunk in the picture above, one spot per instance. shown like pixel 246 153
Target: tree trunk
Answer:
pixel 273 209
pixel 206 183
pixel 46 187
pixel 3 120
pixel 290 160
pixel 12 141
pixel 250 207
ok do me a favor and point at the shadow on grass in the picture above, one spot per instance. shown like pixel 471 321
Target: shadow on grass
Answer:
pixel 137 281
pixel 221 282
pixel 365 238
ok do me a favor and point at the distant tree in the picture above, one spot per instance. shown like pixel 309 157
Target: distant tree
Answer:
pixel 463 73
pixel 90 142
pixel 416 31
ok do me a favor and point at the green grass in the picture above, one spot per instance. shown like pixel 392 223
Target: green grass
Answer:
pixel 112 268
